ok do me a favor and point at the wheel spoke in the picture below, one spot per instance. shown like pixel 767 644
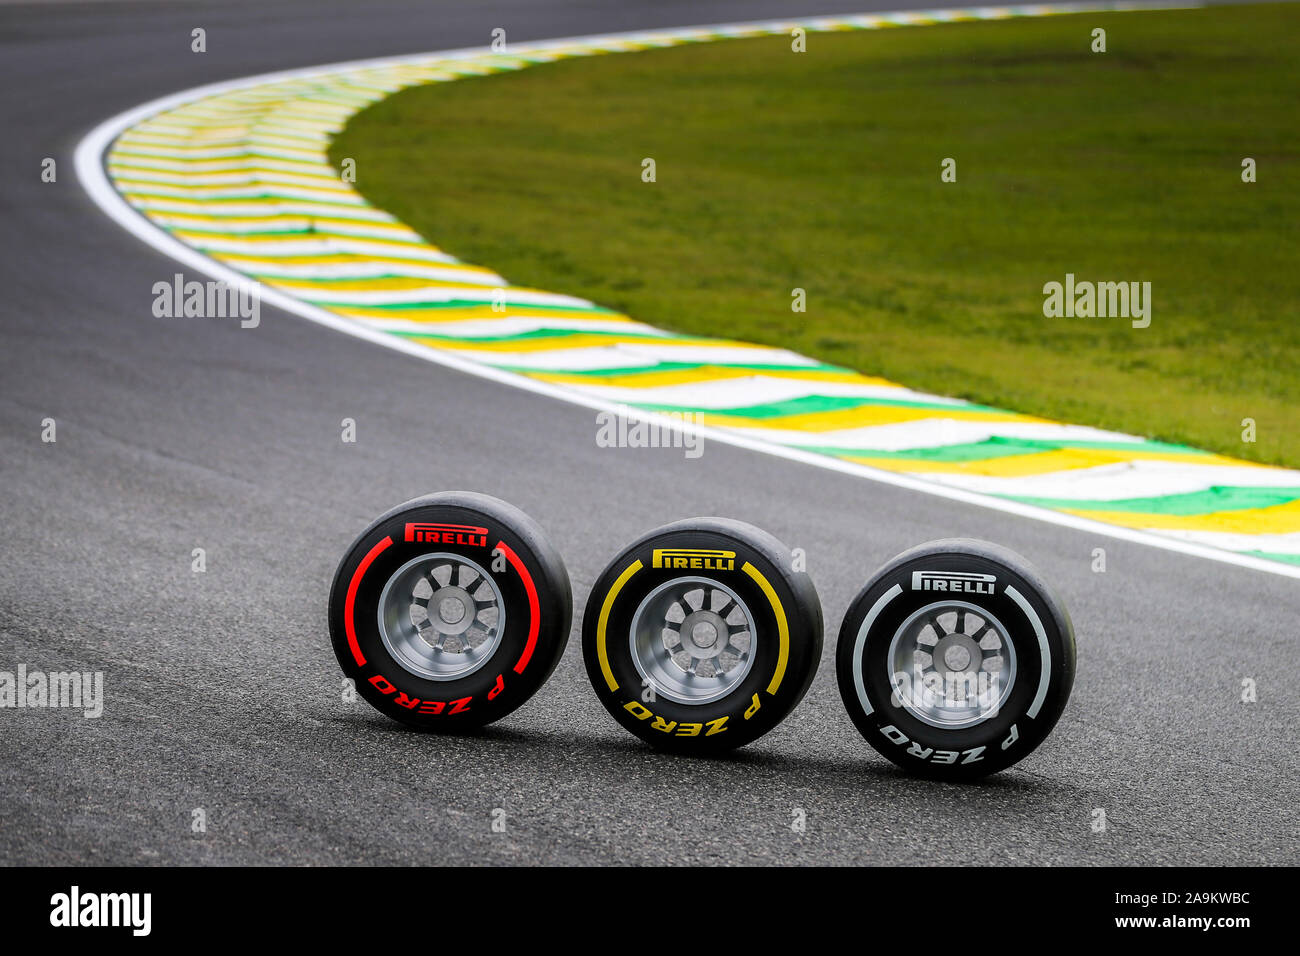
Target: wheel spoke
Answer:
pixel 423 641
pixel 925 649
pixel 664 634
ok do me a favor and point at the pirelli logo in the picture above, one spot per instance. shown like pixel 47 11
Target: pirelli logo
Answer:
pixel 961 582
pixel 694 559
pixel 462 534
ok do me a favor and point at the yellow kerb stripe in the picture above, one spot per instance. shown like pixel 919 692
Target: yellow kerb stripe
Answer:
pixel 601 654
pixel 783 657
pixel 1039 463
pixel 1277 519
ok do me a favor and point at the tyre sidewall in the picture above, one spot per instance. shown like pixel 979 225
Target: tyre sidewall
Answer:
pixel 513 673
pixel 759 702
pixel 1002 739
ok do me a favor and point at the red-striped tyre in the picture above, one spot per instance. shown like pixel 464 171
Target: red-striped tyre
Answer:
pixel 450 611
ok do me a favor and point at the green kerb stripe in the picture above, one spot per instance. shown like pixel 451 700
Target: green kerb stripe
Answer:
pixel 1272 556
pixel 1192 503
pixel 811 404
pixel 1001 448
pixel 659 367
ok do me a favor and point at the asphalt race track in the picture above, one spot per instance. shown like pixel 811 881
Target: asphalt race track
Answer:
pixel 221 689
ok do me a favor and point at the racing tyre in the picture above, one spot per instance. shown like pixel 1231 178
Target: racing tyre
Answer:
pixel 700 637
pixel 956 659
pixel 450 611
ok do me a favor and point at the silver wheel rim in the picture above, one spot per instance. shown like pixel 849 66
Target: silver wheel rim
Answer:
pixel 692 640
pixel 952 665
pixel 441 616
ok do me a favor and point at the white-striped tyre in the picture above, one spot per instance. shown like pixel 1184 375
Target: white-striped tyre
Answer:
pixel 955 660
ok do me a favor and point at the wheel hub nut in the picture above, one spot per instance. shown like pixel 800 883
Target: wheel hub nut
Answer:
pixel 957 658
pixel 704 634
pixel 451 610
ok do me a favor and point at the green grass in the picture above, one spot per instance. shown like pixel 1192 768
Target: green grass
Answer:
pixel 821 171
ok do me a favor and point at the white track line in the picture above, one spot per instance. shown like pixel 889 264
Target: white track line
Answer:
pixel 89 161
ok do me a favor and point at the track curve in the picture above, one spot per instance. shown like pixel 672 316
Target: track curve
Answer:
pixel 234 180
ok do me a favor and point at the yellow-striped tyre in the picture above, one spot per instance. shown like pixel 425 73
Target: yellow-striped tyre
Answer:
pixel 701 636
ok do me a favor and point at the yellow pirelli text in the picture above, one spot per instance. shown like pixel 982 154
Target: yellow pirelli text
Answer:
pixel 693 559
